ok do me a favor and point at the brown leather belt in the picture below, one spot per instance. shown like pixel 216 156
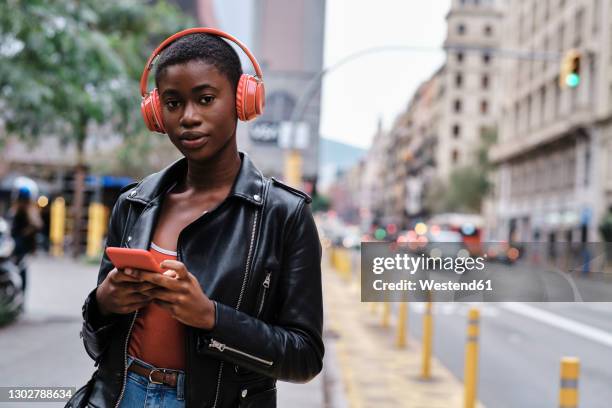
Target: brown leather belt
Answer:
pixel 155 375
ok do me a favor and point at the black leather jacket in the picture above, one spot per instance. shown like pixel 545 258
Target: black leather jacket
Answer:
pixel 258 256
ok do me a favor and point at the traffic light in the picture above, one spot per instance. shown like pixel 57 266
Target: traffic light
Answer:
pixel 569 76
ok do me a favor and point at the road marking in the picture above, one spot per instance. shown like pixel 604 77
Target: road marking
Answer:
pixel 451 309
pixel 552 319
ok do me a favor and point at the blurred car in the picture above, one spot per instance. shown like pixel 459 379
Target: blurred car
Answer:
pixel 501 251
pixel 446 243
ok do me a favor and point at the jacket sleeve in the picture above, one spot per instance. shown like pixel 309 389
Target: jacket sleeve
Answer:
pixel 96 330
pixel 292 348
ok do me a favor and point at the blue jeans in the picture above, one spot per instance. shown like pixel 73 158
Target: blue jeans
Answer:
pixel 140 393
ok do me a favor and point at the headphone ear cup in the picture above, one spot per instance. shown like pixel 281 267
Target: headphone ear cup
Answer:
pixel 250 97
pixel 150 107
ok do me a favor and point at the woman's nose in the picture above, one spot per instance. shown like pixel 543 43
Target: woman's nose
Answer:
pixel 190 117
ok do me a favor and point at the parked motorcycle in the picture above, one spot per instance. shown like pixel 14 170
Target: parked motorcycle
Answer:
pixel 11 293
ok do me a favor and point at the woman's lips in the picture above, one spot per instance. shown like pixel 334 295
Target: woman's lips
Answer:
pixel 194 143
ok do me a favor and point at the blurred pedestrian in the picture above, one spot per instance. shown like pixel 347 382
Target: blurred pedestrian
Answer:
pixel 26 223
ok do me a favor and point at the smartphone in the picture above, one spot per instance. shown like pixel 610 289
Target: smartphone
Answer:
pixel 133 258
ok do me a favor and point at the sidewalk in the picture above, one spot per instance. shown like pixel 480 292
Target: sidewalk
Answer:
pixel 56 290
pixel 374 372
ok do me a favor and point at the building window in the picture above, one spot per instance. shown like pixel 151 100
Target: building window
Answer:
pixel 578 27
pixel 488 30
pixel 459 57
pixel 557 97
pixel 530 115
pixel 461 30
pixel 458 80
pixel 587 165
pixel 543 114
pixel 486 58
pixel 485 81
pixel 457 105
pixel 484 107
pixel 456 131
pixel 455 156
pixel 560 39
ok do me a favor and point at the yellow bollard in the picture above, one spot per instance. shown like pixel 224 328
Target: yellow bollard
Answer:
pixel 386 315
pixel 570 371
pixel 427 339
pixel 57 227
pixel 95 229
pixel 402 316
pixel 471 359
pixel 373 307
pixel 293 168
pixel 345 265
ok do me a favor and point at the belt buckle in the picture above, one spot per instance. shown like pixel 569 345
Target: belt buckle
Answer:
pixel 151 372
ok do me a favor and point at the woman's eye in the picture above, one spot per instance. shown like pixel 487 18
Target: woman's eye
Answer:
pixel 172 104
pixel 206 99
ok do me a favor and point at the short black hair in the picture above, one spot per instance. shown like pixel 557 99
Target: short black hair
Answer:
pixel 205 47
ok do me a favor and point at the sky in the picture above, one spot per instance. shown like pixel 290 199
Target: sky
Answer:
pixel 355 95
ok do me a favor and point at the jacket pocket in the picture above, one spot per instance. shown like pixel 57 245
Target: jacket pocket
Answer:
pixel 258 399
pixel 263 295
pixel 223 348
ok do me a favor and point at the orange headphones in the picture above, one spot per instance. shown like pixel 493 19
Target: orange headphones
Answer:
pixel 250 95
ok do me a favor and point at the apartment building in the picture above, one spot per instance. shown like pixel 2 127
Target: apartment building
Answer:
pixel 442 126
pixel 553 181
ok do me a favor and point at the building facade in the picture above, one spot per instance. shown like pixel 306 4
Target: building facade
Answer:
pixel 446 117
pixel 287 40
pixel 553 177
pixel 469 100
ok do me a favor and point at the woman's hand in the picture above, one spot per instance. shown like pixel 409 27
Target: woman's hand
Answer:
pixel 179 292
pixel 122 293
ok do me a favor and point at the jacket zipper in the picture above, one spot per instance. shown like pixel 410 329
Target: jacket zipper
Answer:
pixel 222 347
pixel 244 280
pixel 266 285
pixel 125 349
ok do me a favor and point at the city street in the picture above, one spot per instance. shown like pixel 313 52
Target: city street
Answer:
pixel 43 348
pixel 463 210
pixel 521 346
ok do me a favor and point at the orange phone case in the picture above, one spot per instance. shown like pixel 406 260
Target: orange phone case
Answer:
pixel 133 258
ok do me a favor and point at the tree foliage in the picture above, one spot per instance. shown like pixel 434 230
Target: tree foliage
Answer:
pixel 467 186
pixel 67 63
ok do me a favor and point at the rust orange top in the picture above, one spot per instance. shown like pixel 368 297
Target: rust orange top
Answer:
pixel 157 337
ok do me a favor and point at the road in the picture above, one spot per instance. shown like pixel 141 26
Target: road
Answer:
pixel 521 345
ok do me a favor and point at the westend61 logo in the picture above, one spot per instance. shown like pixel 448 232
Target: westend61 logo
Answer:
pixel 413 264
pixel 444 268
pixel 485 272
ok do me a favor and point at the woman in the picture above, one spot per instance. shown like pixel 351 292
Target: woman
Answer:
pixel 240 304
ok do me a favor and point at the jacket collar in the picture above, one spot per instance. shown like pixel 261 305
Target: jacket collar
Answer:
pixel 248 184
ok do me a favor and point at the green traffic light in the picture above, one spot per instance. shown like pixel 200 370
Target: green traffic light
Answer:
pixel 380 234
pixel 572 80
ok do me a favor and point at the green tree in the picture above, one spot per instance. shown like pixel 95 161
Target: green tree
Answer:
pixel 67 64
pixel 467 186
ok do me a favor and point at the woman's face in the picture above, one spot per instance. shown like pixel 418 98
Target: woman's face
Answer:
pixel 198 108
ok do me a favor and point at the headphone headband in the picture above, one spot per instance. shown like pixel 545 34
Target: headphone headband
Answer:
pixel 145 74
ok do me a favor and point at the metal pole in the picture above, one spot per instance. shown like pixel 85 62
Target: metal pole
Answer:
pixel 427 340
pixel 471 358
pixel 570 371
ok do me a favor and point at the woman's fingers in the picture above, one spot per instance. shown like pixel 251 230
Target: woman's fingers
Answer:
pixel 138 286
pixel 135 297
pixel 123 275
pixel 178 267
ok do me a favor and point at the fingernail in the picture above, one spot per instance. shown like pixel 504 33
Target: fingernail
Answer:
pixel 128 271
